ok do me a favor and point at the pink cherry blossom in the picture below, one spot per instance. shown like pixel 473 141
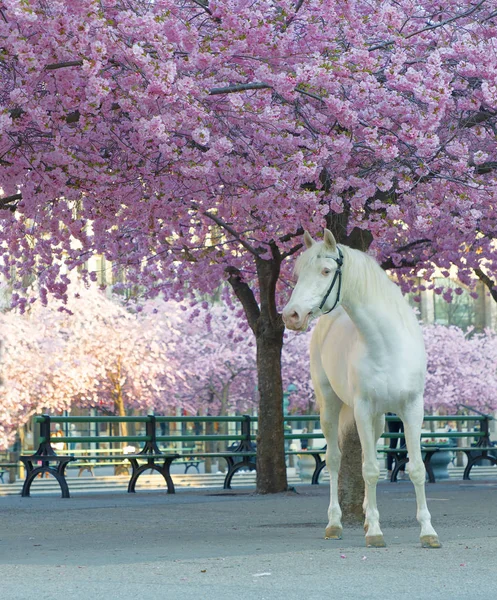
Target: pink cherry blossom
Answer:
pixel 193 141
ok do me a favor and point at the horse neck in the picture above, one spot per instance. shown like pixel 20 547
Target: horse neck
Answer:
pixel 375 304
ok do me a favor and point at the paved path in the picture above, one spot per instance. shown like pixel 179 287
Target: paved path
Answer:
pixel 214 545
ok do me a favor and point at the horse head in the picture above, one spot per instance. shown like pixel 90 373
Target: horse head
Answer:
pixel 319 282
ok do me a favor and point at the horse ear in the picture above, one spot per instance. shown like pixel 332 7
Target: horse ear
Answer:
pixel 308 241
pixel 329 240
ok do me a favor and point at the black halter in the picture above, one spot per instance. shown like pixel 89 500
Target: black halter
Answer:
pixel 338 275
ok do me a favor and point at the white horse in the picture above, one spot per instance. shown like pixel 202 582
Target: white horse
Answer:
pixel 367 358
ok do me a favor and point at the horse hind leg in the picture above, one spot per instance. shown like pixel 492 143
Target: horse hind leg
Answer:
pixel 413 421
pixel 367 428
pixel 379 427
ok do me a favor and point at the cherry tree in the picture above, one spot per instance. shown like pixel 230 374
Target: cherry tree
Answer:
pixel 36 371
pixel 131 354
pixel 296 375
pixel 462 368
pixel 191 141
pixel 93 353
pixel 220 355
pixel 96 353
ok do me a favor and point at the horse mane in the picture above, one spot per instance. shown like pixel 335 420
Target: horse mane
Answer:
pixel 363 279
pixel 368 282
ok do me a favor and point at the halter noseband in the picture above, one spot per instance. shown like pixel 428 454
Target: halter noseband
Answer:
pixel 338 275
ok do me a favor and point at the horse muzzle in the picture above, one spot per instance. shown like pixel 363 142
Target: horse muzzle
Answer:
pixel 295 321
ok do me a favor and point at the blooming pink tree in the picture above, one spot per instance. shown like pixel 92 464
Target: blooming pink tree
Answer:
pixel 296 374
pixel 37 372
pixel 131 354
pixel 220 356
pixel 96 355
pixel 192 141
pixel 462 369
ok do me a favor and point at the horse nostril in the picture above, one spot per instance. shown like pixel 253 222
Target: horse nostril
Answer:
pixel 291 318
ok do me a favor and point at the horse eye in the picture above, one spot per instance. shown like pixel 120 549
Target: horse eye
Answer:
pixel 326 271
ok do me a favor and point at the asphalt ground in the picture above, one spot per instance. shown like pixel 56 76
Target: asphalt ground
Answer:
pixel 216 545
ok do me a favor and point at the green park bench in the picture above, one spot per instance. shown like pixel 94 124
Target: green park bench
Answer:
pixel 481 450
pixel 150 457
pixel 241 455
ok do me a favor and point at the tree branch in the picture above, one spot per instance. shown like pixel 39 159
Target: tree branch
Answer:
pixel 429 27
pixel 258 85
pixel 239 87
pixel 10 202
pixel 203 5
pixel 228 228
pixel 485 167
pixel 447 21
pixel 389 264
pixel 491 285
pixel 268 272
pixel 245 295
pixel 404 263
pixel 63 65
pixel 290 20
pixel 476 118
pixel 289 236
pixel 304 93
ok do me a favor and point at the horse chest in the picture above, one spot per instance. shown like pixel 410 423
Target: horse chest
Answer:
pixel 381 373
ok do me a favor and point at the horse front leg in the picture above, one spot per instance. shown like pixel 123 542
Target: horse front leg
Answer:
pixel 413 421
pixel 367 429
pixel 329 425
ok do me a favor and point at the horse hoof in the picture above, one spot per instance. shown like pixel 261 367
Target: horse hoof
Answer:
pixel 375 541
pixel 333 533
pixel 430 541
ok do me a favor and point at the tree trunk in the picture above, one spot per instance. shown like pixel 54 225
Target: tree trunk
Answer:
pixel 120 410
pixel 268 328
pixel 350 481
pixel 223 428
pixel 122 428
pixel 271 468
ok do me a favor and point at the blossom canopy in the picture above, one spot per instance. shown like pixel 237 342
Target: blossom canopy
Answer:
pixel 181 138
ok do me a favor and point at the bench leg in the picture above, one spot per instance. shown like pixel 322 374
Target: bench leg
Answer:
pixel 138 470
pixel 233 468
pixel 192 466
pixel 320 465
pixel 33 473
pixel 429 468
pixel 400 461
pixel 472 461
pixel 166 473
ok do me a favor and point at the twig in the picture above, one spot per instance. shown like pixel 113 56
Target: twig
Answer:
pixel 228 228
pixel 10 202
pixel 204 6
pixel 429 27
pixel 240 87
pixel 63 65
pixel 447 21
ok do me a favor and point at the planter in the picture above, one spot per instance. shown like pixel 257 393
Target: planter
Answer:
pixel 440 462
pixel 306 464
